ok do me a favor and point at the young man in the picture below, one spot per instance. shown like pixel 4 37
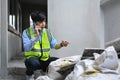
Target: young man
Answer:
pixel 37 42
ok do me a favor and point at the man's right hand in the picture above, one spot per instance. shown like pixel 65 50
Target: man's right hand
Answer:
pixel 37 30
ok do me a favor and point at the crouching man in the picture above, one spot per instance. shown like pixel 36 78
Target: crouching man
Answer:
pixel 38 41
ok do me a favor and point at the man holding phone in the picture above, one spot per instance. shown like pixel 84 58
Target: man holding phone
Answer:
pixel 38 41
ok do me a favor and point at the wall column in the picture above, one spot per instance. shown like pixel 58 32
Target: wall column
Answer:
pixel 4 37
pixel 0 37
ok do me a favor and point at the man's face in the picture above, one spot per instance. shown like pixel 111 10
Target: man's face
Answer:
pixel 41 24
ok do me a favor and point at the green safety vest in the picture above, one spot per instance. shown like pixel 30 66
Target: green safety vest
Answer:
pixel 36 50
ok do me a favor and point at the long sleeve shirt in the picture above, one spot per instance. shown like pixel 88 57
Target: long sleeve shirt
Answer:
pixel 29 43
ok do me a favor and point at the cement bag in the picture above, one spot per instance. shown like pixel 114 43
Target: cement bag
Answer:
pixel 80 70
pixel 57 70
pixel 107 60
pixel 43 78
pixel 75 74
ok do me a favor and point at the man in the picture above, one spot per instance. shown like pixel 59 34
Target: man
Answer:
pixel 38 41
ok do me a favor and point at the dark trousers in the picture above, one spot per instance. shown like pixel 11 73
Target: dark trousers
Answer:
pixel 35 63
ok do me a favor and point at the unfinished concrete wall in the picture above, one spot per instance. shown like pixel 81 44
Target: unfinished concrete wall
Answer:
pixel 111 19
pixel 102 27
pixel 14 45
pixel 77 21
pixel 0 36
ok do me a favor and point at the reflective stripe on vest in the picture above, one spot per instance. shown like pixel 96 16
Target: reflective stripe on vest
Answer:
pixel 39 50
pixel 36 51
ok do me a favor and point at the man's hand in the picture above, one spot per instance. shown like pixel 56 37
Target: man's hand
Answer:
pixel 38 27
pixel 64 43
pixel 37 30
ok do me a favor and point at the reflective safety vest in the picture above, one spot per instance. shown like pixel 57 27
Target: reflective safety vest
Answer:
pixel 36 51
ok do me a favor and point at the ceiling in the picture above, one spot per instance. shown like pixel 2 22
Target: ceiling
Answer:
pixel 40 2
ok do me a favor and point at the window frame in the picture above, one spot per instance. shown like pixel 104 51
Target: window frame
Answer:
pixel 14 17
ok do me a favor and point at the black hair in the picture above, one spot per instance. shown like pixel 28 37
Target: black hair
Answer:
pixel 38 16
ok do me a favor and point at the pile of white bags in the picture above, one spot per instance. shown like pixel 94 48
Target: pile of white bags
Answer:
pixel 104 67
pixel 87 69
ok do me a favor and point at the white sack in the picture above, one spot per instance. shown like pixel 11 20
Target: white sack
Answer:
pixel 58 64
pixel 79 69
pixel 108 60
pixel 75 74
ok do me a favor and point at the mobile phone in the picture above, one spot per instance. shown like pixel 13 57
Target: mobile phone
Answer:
pixel 34 24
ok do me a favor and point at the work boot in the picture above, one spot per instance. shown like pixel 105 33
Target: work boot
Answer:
pixel 30 77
